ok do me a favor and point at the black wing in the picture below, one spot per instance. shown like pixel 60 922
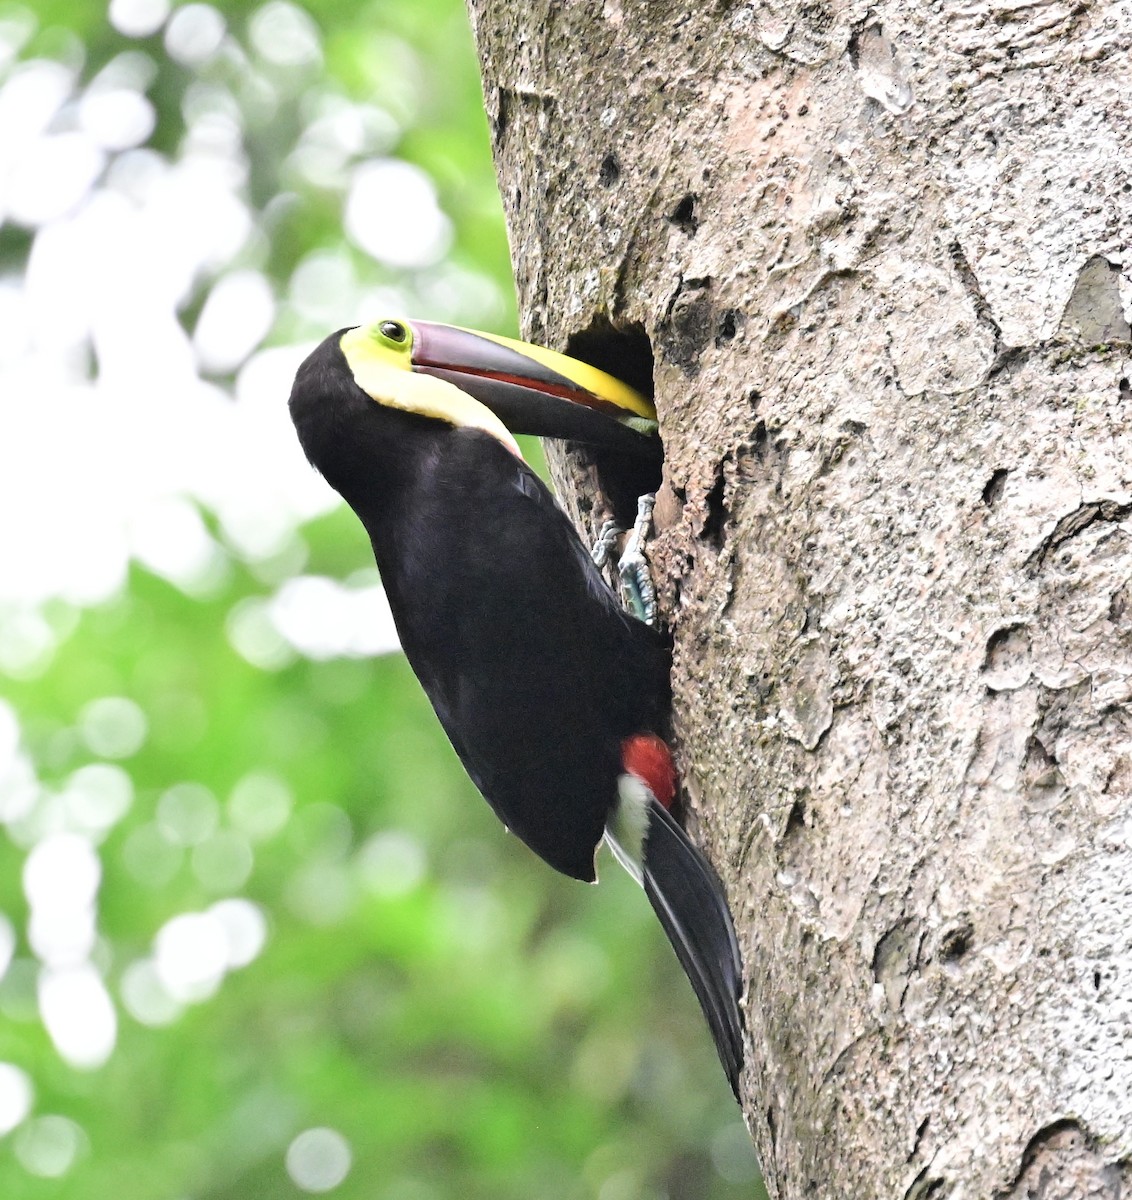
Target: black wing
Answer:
pixel 534 670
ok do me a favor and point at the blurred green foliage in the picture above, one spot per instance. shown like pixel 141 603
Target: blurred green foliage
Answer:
pixel 471 1024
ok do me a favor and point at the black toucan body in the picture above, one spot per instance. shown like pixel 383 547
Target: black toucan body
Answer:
pixel 553 696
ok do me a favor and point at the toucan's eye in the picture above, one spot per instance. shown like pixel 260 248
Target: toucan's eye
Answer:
pixel 394 331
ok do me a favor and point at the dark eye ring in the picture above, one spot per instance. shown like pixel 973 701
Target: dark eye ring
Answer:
pixel 394 331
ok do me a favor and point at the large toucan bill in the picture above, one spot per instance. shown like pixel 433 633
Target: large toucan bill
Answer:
pixel 555 699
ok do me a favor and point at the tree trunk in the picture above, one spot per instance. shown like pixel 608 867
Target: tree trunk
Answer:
pixel 881 254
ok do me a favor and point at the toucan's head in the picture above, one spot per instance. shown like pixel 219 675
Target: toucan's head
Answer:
pixel 466 379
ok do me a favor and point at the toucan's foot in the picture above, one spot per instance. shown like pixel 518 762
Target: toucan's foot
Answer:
pixel 606 540
pixel 637 590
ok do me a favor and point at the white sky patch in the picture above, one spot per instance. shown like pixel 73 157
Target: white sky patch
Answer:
pixel 51 177
pixel 318 1160
pixel 121 478
pixel 16 1096
pixel 317 284
pixel 392 212
pixel 322 618
pixel 236 317
pixel 79 1015
pixel 169 537
pixel 111 266
pixel 29 99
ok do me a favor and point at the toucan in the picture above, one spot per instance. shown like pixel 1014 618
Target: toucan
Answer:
pixel 555 698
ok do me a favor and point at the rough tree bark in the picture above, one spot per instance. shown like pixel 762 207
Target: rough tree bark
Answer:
pixel 882 254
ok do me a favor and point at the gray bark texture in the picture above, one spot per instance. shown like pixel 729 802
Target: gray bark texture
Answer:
pixel 883 255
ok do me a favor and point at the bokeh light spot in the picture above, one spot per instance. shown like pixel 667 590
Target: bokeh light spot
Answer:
pixel 187 814
pixel 284 34
pixel 318 1160
pixel 98 796
pixel 392 212
pixel 245 929
pixel 16 1096
pixel 150 857
pixel 79 1014
pixel 62 871
pixel 254 636
pixel 49 1145
pixel 191 955
pixel 236 317
pixel 26 643
pixel 113 727
pixel 117 118
pixel 146 998
pixel 322 619
pixel 260 805
pixel 194 34
pixel 391 864
pixel 138 18
pixel 223 862
pixel 7 943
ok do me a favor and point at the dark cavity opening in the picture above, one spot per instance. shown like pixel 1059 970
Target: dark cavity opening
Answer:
pixel 626 353
pixel 683 216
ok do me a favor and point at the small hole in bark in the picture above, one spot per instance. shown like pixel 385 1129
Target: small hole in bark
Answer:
pixel 797 818
pixel 684 217
pixel 956 943
pixel 1096 981
pixel 1125 387
pixel 503 115
pixel 610 171
pixel 715 524
pixel 994 486
pixel 729 325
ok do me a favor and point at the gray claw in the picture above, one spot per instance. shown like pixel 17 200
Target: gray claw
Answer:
pixel 606 539
pixel 637 590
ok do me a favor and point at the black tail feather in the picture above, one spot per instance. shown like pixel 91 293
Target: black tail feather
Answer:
pixel 689 900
